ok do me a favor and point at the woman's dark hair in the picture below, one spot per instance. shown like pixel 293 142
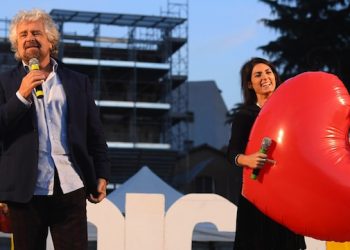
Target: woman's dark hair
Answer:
pixel 249 96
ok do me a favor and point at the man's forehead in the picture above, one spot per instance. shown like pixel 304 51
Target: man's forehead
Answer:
pixel 30 25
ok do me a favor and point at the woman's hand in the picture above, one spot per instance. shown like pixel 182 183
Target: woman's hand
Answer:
pixel 255 160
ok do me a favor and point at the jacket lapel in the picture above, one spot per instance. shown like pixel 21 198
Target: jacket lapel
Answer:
pixel 18 76
pixel 67 86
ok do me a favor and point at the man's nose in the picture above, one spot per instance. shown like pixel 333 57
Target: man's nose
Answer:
pixel 30 37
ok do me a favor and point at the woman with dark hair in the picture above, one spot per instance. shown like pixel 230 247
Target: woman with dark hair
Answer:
pixel 254 230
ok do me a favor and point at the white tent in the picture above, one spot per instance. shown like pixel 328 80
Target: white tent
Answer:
pixel 145 181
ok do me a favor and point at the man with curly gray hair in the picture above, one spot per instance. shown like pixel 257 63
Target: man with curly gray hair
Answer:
pixel 54 153
pixel 50 28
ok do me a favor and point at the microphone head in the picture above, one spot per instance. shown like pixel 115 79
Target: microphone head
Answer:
pixel 33 64
pixel 266 143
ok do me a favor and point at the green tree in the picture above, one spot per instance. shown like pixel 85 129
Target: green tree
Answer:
pixel 314 35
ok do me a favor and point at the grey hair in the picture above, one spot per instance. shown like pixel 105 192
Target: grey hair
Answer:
pixel 31 16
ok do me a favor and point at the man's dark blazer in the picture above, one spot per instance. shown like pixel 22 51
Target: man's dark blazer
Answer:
pixel 19 135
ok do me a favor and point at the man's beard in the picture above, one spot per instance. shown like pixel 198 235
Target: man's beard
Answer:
pixel 32 54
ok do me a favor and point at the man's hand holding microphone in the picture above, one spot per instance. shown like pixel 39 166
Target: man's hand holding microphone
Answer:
pixel 33 80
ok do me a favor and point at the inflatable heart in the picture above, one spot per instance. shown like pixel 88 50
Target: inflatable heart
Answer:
pixel 5 224
pixel 308 189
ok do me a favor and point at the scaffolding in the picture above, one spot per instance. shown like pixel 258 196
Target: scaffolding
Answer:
pixel 181 117
pixel 142 66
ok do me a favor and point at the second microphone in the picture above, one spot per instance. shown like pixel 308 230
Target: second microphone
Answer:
pixel 265 145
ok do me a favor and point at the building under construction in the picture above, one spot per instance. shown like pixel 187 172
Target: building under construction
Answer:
pixel 136 64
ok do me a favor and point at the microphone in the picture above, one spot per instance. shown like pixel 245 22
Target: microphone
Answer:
pixel 265 145
pixel 34 65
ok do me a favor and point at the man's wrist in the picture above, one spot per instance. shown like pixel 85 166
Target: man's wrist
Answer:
pixel 26 102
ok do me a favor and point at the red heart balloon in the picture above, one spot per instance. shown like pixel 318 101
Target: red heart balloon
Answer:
pixel 308 189
pixel 5 223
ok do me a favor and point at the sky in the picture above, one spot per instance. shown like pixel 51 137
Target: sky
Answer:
pixel 223 34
